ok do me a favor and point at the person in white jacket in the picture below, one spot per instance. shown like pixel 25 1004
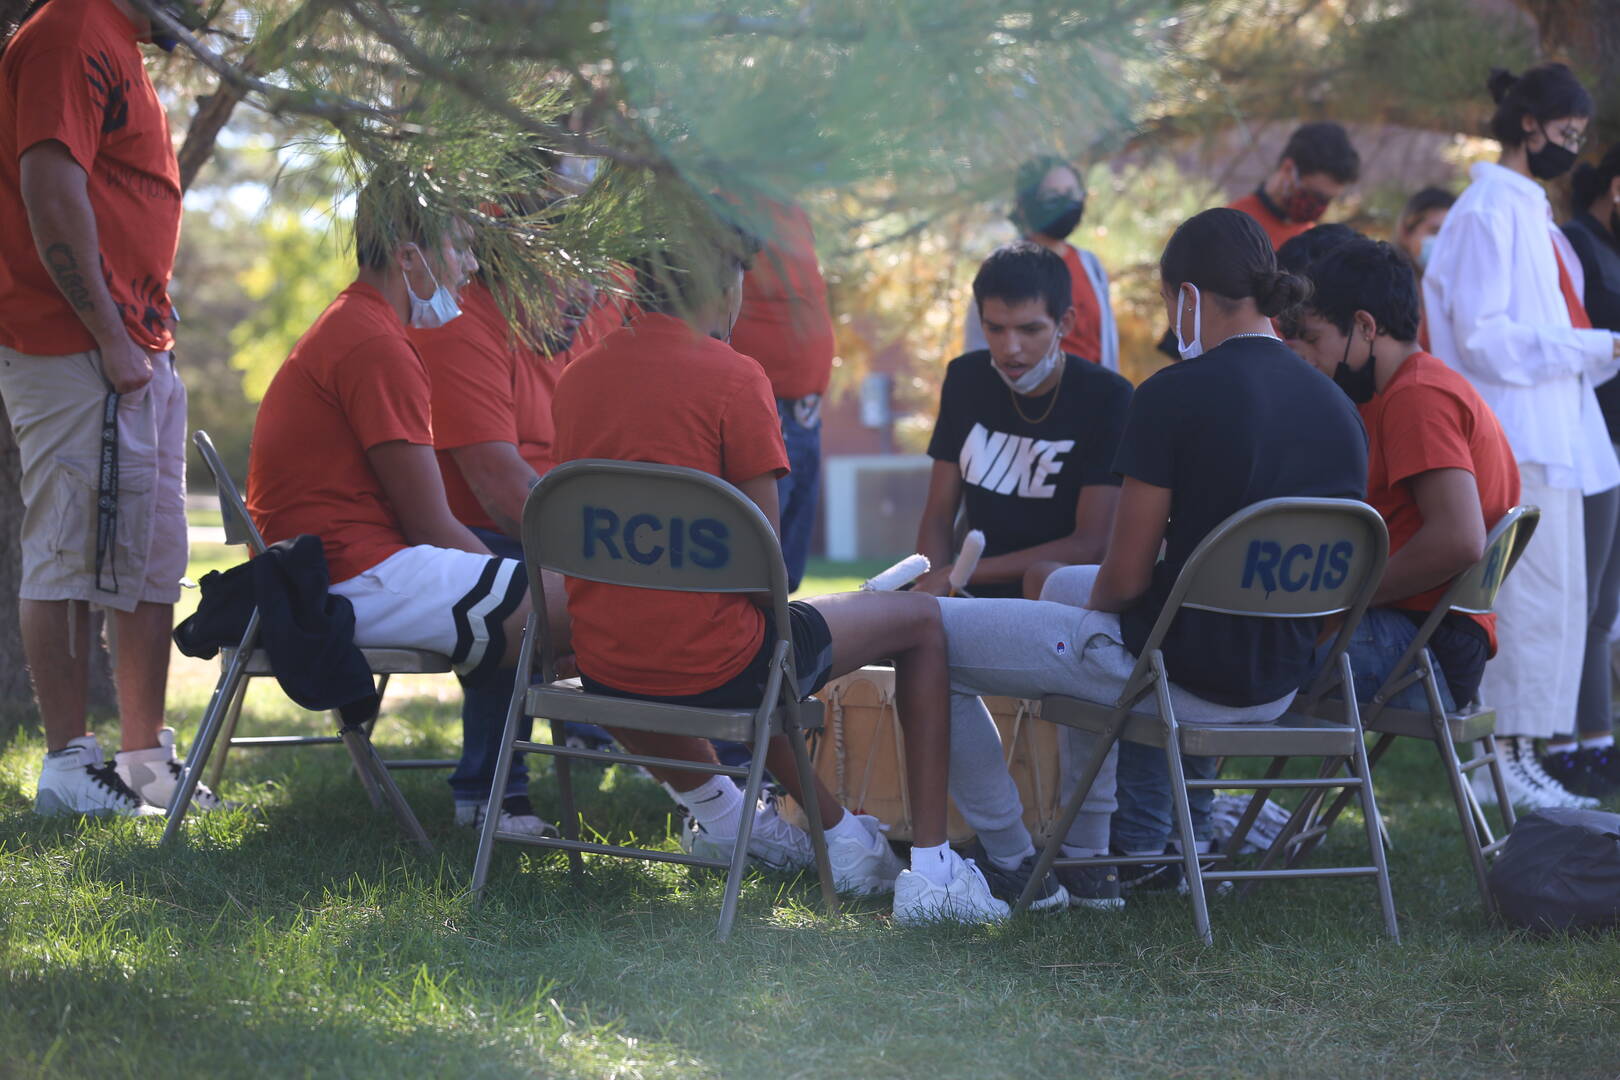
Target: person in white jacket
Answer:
pixel 1503 297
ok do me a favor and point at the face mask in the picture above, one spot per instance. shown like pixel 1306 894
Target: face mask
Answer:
pixel 1030 381
pixel 1052 215
pixel 1305 204
pixel 1359 386
pixel 1551 161
pixel 1425 251
pixel 436 310
pixel 1195 348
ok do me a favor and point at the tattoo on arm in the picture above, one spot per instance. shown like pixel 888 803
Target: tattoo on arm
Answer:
pixel 65 268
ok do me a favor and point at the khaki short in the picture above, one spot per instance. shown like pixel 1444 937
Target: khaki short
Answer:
pixel 55 404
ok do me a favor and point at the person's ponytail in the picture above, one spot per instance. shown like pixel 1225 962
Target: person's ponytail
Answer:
pixel 1276 291
pixel 1499 82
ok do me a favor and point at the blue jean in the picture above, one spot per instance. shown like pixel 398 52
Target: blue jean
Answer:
pixel 799 491
pixel 1141 824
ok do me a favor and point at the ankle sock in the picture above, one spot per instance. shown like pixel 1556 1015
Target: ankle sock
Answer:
pixel 849 825
pixel 936 864
pixel 716 804
pixel 1597 742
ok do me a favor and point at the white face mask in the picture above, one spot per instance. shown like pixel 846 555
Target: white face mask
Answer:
pixel 1030 381
pixel 1195 348
pixel 436 310
pixel 1425 251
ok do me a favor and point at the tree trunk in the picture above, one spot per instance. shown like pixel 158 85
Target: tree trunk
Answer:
pixel 1586 33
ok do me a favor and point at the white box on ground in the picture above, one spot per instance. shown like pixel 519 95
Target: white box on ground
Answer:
pixel 873 504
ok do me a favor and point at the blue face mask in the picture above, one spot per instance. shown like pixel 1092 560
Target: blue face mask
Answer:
pixel 436 310
pixel 1425 252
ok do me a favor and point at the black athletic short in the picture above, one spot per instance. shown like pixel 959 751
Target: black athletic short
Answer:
pixel 812 659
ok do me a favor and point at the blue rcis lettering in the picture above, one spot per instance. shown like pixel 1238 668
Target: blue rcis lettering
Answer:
pixel 633 526
pixel 1290 583
pixel 677 542
pixel 709 548
pixel 1262 563
pixel 601 525
pixel 1338 564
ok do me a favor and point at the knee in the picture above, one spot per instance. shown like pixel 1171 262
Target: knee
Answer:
pixel 1035 577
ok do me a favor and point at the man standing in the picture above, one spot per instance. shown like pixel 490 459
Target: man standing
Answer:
pixel 1049 203
pixel 1316 166
pixel 786 327
pixel 89 225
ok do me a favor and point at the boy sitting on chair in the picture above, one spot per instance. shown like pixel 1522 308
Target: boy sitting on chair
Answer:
pixel 669 389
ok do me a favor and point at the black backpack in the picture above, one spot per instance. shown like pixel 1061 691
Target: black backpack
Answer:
pixel 1560 870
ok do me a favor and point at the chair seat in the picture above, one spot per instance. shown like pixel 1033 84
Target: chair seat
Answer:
pixel 1290 735
pixel 567 701
pixel 1415 723
pixel 381 661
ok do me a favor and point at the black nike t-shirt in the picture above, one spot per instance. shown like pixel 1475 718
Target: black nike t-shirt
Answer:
pixel 1248 420
pixel 1024 461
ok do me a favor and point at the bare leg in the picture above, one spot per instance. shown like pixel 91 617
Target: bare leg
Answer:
pixel 56 640
pixel 140 650
pixel 904 627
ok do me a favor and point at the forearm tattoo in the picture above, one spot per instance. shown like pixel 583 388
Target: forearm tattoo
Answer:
pixel 65 268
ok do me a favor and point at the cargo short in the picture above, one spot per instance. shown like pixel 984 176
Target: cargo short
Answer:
pixel 108 529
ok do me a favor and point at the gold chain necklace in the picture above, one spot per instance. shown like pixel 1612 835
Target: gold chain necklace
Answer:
pixel 1050 405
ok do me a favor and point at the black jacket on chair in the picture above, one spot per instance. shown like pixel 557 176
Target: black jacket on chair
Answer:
pixel 307 632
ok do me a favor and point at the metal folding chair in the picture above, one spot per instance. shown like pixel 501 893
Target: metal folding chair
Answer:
pixel 1473 592
pixel 653 527
pixel 1277 559
pixel 245 662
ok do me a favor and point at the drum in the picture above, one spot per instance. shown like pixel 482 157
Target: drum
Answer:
pixel 860 754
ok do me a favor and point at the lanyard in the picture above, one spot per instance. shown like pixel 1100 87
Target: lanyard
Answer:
pixel 107 494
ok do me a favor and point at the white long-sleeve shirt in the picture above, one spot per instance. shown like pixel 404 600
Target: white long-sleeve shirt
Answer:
pixel 1496 314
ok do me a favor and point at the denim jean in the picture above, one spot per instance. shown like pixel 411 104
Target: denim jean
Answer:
pixel 799 491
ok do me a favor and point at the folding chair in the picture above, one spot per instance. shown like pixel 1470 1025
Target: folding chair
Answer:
pixel 1473 592
pixel 245 662
pixel 1277 559
pixel 654 527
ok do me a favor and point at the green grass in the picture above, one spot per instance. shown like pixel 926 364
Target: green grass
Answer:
pixel 299 937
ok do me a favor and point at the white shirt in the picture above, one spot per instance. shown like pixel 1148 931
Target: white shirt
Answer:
pixel 1496 315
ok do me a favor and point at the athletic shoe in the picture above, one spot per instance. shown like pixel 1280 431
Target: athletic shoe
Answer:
pixel 1530 765
pixel 1567 769
pixel 1093 887
pixel 967 899
pixel 1168 876
pixel 154 774
pixel 773 843
pixel 1009 885
pixel 75 780
pixel 863 866
pixel 1527 784
pixel 517 816
pixel 1603 765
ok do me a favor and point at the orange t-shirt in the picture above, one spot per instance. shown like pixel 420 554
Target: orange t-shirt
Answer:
pixel 1429 417
pixel 353 381
pixel 658 391
pixel 73 74
pixel 785 324
pixel 1578 318
pixel 487 387
pixel 1085 338
pixel 1278 230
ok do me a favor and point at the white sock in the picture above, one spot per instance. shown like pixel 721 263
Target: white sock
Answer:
pixel 716 804
pixel 1011 862
pixel 936 864
pixel 1597 742
pixel 849 825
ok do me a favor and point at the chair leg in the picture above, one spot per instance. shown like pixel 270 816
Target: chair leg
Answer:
pixel 1369 804
pixel 227 690
pixel 1461 797
pixel 1071 808
pixel 745 830
pixel 1503 803
pixel 565 795
pixel 1191 867
pixel 812 816
pixel 369 764
pixel 503 770
pixel 232 715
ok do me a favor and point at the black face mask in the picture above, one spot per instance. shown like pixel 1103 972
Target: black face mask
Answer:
pixel 1358 386
pixel 1052 215
pixel 1551 161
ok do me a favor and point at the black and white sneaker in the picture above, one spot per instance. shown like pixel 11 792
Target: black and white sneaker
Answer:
pixel 154 774
pixel 1093 887
pixel 1008 885
pixel 517 816
pixel 75 780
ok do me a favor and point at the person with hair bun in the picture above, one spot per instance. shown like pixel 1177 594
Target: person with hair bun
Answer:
pixel 1241 419
pixel 1593 768
pixel 1502 296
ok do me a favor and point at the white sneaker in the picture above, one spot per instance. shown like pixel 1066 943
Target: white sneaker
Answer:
pixel 517 816
pixel 773 843
pixel 1528 785
pixel 75 780
pixel 1530 763
pixel 967 899
pixel 864 867
pixel 154 774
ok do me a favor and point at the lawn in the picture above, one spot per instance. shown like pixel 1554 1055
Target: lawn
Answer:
pixel 300 937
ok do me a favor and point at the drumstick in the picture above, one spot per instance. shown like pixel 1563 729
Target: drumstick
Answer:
pixel 967 560
pixel 904 572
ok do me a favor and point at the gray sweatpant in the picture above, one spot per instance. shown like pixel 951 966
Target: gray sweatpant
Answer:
pixel 1027 649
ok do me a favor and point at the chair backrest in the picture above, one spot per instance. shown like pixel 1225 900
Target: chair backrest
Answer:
pixel 1282 559
pixel 239 527
pixel 653 527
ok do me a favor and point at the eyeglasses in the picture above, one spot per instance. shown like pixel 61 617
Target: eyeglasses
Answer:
pixel 1570 138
